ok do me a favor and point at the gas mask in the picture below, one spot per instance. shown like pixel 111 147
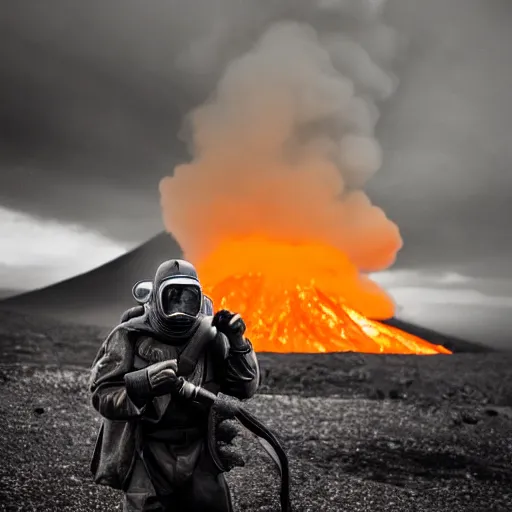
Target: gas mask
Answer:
pixel 179 298
pixel 174 300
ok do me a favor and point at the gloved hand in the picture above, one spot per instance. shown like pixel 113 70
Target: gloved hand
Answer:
pixel 162 377
pixel 227 432
pixel 233 326
pixel 155 380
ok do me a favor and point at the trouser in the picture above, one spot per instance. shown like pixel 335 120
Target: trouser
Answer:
pixel 206 491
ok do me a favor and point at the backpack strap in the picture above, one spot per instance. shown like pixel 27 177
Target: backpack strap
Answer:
pixel 203 335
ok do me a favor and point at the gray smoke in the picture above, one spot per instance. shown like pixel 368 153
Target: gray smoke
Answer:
pixel 286 141
pixel 94 93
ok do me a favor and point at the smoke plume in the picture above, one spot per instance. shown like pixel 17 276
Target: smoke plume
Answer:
pixel 286 143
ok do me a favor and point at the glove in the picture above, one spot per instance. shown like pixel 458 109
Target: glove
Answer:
pixel 229 454
pixel 225 435
pixel 233 326
pixel 162 377
pixel 155 380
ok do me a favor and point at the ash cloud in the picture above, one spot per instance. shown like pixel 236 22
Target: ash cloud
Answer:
pixel 94 94
pixel 286 142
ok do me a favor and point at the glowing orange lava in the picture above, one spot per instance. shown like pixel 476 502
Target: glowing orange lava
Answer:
pixel 304 297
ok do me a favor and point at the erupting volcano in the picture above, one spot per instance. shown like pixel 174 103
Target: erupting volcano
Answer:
pixel 304 298
pixel 271 209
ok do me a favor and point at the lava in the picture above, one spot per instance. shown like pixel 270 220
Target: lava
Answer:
pixel 305 298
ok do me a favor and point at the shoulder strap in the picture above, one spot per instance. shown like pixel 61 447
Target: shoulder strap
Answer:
pixel 203 335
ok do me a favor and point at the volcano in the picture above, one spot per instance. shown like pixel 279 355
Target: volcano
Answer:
pixel 304 297
pixel 99 297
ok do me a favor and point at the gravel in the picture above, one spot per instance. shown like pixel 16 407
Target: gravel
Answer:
pixel 363 432
pixel 354 454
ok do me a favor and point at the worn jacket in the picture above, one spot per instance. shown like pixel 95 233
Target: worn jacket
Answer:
pixel 227 371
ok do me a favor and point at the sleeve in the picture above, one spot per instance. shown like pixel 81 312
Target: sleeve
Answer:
pixel 117 393
pixel 240 373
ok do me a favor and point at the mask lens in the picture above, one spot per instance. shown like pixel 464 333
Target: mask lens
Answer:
pixel 181 299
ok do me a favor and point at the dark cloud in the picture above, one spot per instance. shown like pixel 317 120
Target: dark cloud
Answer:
pixel 90 111
pixel 94 93
pixel 447 174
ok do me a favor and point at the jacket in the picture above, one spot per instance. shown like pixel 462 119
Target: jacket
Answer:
pixel 228 372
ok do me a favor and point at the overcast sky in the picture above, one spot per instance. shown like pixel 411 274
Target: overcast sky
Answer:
pixel 93 95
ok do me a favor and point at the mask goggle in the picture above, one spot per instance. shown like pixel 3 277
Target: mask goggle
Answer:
pixel 180 296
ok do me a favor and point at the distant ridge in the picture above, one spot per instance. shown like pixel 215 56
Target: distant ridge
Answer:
pixel 450 342
pixel 100 296
pixel 4 293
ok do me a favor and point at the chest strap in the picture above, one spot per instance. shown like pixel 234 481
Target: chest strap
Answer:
pixel 188 359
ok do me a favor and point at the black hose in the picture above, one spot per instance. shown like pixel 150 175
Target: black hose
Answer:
pixel 254 425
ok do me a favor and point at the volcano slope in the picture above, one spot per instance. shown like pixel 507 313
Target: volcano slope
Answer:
pixel 363 432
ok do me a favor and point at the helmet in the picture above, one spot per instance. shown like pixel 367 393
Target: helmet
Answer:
pixel 176 298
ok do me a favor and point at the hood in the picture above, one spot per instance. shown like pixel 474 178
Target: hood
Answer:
pixel 176 302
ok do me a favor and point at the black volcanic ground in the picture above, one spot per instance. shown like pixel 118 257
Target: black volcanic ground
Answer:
pixel 363 432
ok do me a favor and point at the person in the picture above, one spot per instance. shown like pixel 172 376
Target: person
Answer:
pixel 153 445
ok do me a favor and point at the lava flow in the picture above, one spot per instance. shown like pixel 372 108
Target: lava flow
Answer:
pixel 304 298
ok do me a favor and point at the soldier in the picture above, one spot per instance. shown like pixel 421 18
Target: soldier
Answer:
pixel 153 444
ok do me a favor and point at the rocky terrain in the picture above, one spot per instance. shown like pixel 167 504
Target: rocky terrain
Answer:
pixel 363 432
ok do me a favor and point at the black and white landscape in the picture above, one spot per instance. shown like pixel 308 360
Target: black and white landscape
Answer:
pixel 93 99
pixel 363 432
